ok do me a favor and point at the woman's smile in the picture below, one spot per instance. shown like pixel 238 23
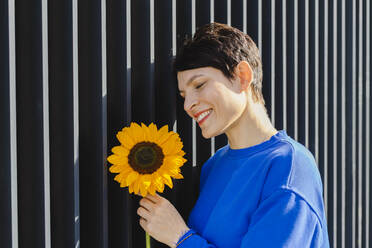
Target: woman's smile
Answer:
pixel 202 117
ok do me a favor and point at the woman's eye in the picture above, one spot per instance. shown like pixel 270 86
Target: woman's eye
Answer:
pixel 200 85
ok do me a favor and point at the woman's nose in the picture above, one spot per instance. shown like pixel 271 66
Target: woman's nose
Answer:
pixel 190 103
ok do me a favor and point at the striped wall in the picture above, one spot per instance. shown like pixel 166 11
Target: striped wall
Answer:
pixel 73 73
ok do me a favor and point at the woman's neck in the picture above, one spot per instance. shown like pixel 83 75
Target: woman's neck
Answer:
pixel 252 128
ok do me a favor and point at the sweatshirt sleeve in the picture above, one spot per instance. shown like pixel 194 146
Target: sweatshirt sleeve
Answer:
pixel 284 219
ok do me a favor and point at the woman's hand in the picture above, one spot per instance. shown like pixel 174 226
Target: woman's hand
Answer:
pixel 161 220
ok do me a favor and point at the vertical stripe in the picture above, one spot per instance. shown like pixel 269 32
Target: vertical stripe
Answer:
pixel 245 16
pixel 212 10
pixel 193 17
pixel 193 28
pixel 129 61
pixel 316 82
pixel 307 73
pixel 368 127
pixel 152 32
pixel 174 30
pixel 104 126
pixel 273 62
pixel 213 141
pixel 335 165
pixel 284 61
pixel 193 143
pixel 228 8
pixel 353 145
pixel 260 26
pixel 343 120
pixel 360 125
pixel 13 123
pixel 76 119
pixel 44 23
pixel 325 115
pixel 295 90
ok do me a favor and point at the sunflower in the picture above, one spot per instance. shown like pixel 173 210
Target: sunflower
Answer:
pixel 147 158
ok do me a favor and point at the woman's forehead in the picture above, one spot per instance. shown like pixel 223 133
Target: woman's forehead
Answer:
pixel 187 76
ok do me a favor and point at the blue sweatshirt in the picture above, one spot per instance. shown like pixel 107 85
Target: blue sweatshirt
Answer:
pixel 267 195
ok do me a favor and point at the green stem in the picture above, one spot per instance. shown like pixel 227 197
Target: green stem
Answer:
pixel 148 245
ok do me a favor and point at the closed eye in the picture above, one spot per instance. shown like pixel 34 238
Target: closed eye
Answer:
pixel 199 86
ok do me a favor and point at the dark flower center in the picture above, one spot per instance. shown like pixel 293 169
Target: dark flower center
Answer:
pixel 145 157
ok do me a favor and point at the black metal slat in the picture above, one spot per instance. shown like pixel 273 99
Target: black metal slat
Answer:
pixel 220 11
pixel 323 99
pixel 5 159
pixel 220 15
pixel 339 145
pixel 358 125
pixel 364 126
pixel 301 72
pixel 279 86
pixel 118 117
pixel 266 52
pixel 61 122
pixel 92 171
pixel 184 122
pixel 370 115
pixel 290 74
pixel 30 160
pixel 143 109
pixel 350 162
pixel 237 19
pixel 332 124
pixel 203 13
pixel 313 111
pixel 252 20
pixel 203 146
pixel 165 84
pixel 365 166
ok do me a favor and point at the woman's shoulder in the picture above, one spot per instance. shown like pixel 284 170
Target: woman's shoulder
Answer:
pixel 294 168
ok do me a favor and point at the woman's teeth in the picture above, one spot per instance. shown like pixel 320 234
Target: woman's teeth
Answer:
pixel 201 116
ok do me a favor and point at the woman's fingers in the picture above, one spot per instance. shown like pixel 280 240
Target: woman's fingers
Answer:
pixel 146 203
pixel 144 213
pixel 154 198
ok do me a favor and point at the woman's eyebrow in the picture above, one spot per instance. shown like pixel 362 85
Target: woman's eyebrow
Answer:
pixel 192 79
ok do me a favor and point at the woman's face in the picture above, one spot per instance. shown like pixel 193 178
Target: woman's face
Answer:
pixel 215 102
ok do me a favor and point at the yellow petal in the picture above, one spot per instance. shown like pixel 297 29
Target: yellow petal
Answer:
pixel 132 177
pixel 137 132
pixel 152 189
pixel 168 180
pixel 118 177
pixel 163 130
pixel 136 186
pixel 123 184
pixel 164 137
pixel 125 139
pixel 181 153
pixel 116 159
pixel 172 146
pixel 158 182
pixel 153 133
pixel 130 189
pixel 143 190
pixel 178 176
pixel 146 180
pixel 117 168
pixel 174 161
pixel 120 150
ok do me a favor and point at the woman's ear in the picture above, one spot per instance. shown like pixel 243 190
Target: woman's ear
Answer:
pixel 245 74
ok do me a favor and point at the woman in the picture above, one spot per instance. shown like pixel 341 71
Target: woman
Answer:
pixel 263 189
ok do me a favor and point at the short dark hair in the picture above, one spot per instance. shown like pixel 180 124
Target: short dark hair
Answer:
pixel 222 47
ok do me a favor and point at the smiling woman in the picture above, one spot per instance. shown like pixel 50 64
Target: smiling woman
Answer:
pixel 262 182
